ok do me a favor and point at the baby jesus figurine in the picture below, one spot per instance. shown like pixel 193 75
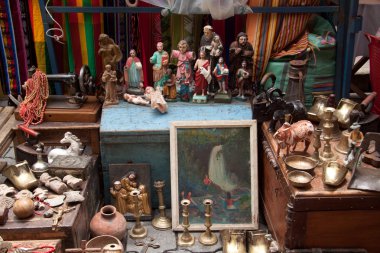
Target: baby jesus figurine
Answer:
pixel 134 99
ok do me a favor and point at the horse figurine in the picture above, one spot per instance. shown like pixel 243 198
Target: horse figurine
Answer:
pixel 74 149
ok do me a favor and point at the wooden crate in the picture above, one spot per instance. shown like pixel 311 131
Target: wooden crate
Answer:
pixel 74 225
pixel 318 216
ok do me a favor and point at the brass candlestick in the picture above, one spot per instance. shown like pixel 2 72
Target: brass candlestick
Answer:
pixel 185 239
pixel 317 143
pixel 327 154
pixel 208 238
pixel 138 231
pixel 161 222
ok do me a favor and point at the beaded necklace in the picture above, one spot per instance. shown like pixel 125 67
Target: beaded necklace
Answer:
pixel 37 92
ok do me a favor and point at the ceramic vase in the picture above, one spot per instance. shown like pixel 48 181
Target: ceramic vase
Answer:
pixel 108 221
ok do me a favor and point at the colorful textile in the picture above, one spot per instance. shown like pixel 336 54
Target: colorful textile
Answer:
pixel 271 33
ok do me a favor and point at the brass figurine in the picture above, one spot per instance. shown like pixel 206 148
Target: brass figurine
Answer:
pixel 161 222
pixel 138 231
pixel 185 239
pixel 208 238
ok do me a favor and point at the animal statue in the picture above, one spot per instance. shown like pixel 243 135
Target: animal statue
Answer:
pixel 288 135
pixel 74 149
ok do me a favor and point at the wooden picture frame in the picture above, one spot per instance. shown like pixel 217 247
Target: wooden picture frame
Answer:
pixel 215 160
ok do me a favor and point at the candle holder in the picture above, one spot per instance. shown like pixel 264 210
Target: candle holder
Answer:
pixel 317 143
pixel 233 241
pixel 161 222
pixel 138 231
pixel 185 239
pixel 208 238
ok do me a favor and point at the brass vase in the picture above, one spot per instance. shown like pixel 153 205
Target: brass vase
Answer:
pixel 233 241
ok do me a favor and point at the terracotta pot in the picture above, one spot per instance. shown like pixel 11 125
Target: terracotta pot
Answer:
pixel 23 208
pixel 109 222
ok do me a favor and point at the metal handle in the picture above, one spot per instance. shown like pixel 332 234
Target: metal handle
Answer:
pixel 269 153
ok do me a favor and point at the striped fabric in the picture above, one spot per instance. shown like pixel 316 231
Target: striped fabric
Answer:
pixel 271 33
pixel 293 49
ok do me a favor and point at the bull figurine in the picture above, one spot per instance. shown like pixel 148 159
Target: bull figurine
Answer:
pixel 288 135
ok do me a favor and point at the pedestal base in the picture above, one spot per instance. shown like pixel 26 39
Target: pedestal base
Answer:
pixel 223 98
pixel 208 240
pixel 138 233
pixel 161 223
pixel 185 242
pixel 199 99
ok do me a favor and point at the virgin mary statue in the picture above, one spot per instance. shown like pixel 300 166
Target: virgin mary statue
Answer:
pixel 217 170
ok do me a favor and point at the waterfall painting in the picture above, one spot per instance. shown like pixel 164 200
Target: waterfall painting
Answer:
pixel 215 160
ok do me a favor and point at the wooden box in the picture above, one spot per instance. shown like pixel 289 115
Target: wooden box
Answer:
pixel 73 227
pixel 318 216
pixel 57 244
pixel 138 134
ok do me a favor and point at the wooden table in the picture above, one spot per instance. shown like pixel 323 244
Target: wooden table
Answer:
pixel 7 122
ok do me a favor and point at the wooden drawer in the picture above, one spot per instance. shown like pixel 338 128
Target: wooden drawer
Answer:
pixel 318 216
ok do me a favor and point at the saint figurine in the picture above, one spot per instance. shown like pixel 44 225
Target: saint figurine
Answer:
pixel 355 140
pixel 133 74
pixel 240 50
pixel 221 74
pixel 160 61
pixel 110 80
pixel 137 100
pixel 206 39
pixel 170 89
pixel 120 195
pixel 109 51
pixel 242 75
pixel 130 183
pixel 202 74
pixel 156 99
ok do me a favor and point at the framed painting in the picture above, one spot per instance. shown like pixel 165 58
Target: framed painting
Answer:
pixel 215 160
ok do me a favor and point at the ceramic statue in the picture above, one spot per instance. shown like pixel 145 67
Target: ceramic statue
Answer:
pixel 290 134
pixel 184 69
pixel 156 99
pixel 160 61
pixel 109 78
pixel 169 90
pixel 134 99
pixel 239 51
pixel 109 51
pixel 242 75
pixel 74 149
pixel 221 73
pixel 354 139
pixel 133 74
pixel 202 69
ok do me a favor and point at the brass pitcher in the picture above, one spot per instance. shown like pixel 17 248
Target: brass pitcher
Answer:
pixel 233 241
pixel 258 242
pixel 316 110
pixel 344 110
pixel 21 176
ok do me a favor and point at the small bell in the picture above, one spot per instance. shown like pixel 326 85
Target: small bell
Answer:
pixel 40 166
pixel 343 146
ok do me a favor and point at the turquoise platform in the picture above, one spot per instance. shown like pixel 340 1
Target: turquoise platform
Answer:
pixel 138 134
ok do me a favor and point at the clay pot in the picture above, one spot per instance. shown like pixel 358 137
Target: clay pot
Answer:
pixel 23 208
pixel 109 222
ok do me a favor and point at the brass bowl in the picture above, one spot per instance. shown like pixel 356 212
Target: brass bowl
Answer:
pixel 101 241
pixel 300 162
pixel 299 178
pixel 333 173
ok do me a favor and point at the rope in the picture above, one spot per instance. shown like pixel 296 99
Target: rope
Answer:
pixel 59 29
pixel 37 92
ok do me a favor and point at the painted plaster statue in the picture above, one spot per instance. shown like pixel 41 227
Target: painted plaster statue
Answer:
pixel 133 74
pixel 202 74
pixel 160 61
pixel 120 195
pixel 242 75
pixel 156 99
pixel 109 51
pixel 206 39
pixel 170 89
pixel 184 56
pixel 110 80
pixel 240 50
pixel 221 74
pixel 130 183
pixel 137 100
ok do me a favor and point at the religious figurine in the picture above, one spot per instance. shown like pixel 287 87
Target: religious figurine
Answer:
pixel 354 139
pixel 133 74
pixel 170 88
pixel 137 100
pixel 110 80
pixel 242 75
pixel 160 61
pixel 202 76
pixel 109 51
pixel 184 71
pixel 156 99
pixel 120 195
pixel 130 183
pixel 216 47
pixel 240 50
pixel 221 74
pixel 206 38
